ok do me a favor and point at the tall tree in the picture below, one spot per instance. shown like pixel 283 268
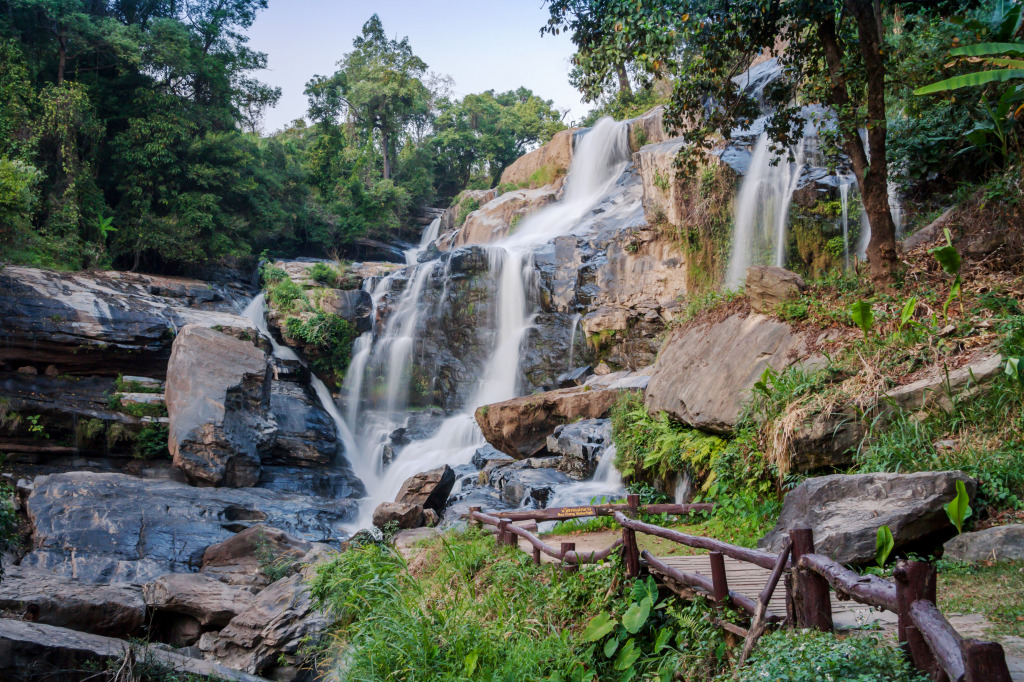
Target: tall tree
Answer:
pixel 378 86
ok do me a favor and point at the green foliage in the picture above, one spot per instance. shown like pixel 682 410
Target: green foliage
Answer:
pixel 151 442
pixel 863 316
pixel 8 518
pixel 286 296
pixel 884 544
pixel 322 273
pixel 959 509
pixel 812 656
pixel 331 336
pixel 949 258
pixel 36 427
pixel 122 386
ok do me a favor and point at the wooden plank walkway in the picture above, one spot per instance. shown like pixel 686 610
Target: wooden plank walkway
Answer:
pixel 749 580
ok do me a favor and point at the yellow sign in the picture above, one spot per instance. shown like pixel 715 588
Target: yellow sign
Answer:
pixel 568 512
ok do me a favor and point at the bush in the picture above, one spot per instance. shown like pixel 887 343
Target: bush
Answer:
pixel 322 273
pixel 809 656
pixel 331 336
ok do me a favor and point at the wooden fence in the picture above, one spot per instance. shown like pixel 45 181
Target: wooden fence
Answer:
pixel 926 636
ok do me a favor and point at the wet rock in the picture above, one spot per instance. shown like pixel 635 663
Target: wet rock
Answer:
pixel 218 400
pixel 495 219
pixel 767 286
pixel 354 305
pixel 704 371
pixel 305 434
pixel 42 597
pixel 554 157
pixel 33 651
pixel 483 496
pixel 101 322
pixel 240 559
pixel 845 512
pixel 580 445
pixel 574 377
pixel 429 489
pixel 530 482
pixel 520 427
pixel 152 527
pixel 488 454
pixel 649 128
pixel 278 623
pixel 403 514
pixel 335 483
pixel 211 602
pixel 826 441
pixel 430 518
pixel 999 543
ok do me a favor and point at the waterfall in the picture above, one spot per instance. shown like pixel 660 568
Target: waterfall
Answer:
pixel 572 340
pixel 429 237
pixel 256 313
pixel 605 483
pixel 600 159
pixel 844 183
pixel 762 210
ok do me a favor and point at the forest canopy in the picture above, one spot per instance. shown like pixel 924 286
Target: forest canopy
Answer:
pixel 130 137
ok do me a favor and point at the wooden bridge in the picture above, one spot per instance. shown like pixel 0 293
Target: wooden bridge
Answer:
pixel 751 580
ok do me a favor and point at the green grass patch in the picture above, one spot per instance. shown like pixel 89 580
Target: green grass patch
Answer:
pixel 995 589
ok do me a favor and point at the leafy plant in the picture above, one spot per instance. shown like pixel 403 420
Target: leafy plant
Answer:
pixel 862 315
pixel 36 427
pixel 322 273
pixel 949 258
pixel 884 544
pixel 959 509
pixel 907 314
pixel 1015 370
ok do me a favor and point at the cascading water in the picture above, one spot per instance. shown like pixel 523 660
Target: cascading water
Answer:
pixel 429 237
pixel 572 340
pixel 762 210
pixel 599 161
pixel 844 183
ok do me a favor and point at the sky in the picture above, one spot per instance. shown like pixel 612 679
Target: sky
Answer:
pixel 482 44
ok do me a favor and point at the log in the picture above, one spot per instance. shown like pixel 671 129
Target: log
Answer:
pixel 938 635
pixel 916 580
pixel 812 590
pixel 985 662
pixel 593 557
pixel 866 589
pixel 566 566
pixel 753 556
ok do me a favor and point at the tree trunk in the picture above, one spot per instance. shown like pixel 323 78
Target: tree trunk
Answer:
pixel 62 54
pixel 624 87
pixel 872 180
pixel 384 142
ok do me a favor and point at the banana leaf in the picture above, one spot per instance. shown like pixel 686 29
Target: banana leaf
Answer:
pixel 986 49
pixel 971 80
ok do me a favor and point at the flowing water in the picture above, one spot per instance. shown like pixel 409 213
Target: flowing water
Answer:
pixel 599 161
pixel 844 182
pixel 762 210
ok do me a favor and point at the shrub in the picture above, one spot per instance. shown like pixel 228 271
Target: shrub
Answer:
pixel 810 656
pixel 322 273
pixel 331 336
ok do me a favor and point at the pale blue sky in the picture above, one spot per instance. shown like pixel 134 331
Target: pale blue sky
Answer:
pixel 481 44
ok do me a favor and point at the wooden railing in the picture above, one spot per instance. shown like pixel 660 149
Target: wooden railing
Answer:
pixel 927 637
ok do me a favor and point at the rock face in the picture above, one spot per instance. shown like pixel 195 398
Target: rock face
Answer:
pixel 496 219
pixel 429 489
pixel 202 597
pixel 32 651
pixel 767 286
pixel 152 527
pixel 305 433
pixel 581 445
pixel 42 597
pixel 556 156
pixel 999 543
pixel 845 511
pixel 355 305
pixel 102 322
pixel 529 482
pixel 404 514
pixel 236 561
pixel 704 371
pixel 520 427
pixel 218 399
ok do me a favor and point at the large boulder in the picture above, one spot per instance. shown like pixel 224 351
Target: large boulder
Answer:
pixel 496 219
pixel 273 630
pixel 43 597
pixel 529 482
pixel 999 543
pixel 306 434
pixel 354 305
pixel 113 528
pixel 520 427
pixel 404 514
pixel 429 489
pixel 102 322
pixel 767 286
pixel 705 370
pixel 218 400
pixel 845 512
pixel 208 600
pixel 552 159
pixel 30 652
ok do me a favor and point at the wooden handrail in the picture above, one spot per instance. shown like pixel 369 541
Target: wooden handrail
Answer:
pixel 753 556
pixel 571 557
pixel 559 513
pixel 944 641
pixel 578 557
pixel 866 589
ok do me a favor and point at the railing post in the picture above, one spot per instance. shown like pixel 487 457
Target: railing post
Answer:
pixel 629 546
pixel 718 578
pixel 915 580
pixel 473 521
pixel 984 661
pixel 501 538
pixel 567 567
pixel 536 556
pixel 811 591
